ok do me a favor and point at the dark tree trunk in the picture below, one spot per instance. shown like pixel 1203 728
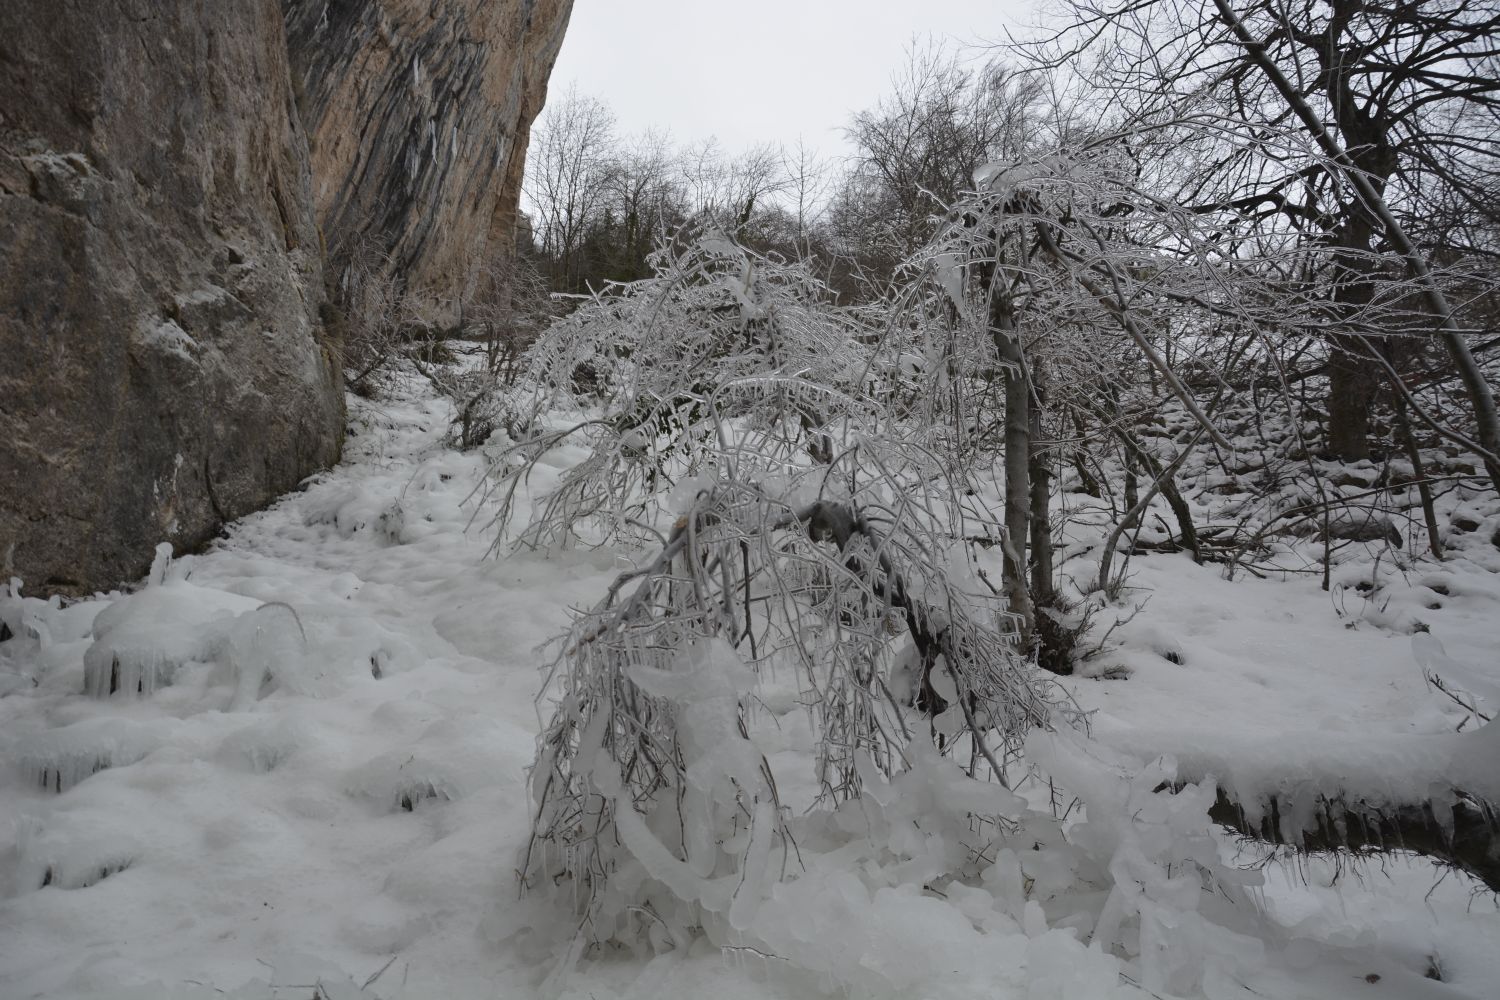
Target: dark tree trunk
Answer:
pixel 1354 375
pixel 1016 381
pixel 1352 384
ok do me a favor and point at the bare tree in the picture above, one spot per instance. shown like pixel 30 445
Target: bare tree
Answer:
pixel 724 189
pixel 644 202
pixel 1391 78
pixel 372 300
pixel 1327 135
pixel 919 147
pixel 807 185
pixel 567 179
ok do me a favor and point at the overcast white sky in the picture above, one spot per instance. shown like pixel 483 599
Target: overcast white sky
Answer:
pixel 756 70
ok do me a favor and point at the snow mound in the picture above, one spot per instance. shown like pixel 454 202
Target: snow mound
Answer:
pixel 57 759
pixel 37 637
pixel 453 758
pixel 21 616
pixel 141 641
pixel 1439 667
pixel 403 781
pixel 74 863
pixel 262 746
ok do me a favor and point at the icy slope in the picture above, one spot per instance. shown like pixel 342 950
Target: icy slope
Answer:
pixel 366 806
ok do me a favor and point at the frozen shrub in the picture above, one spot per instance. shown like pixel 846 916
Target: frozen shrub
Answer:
pixel 817 534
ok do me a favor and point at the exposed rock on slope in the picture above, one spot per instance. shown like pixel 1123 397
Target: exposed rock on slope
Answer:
pixel 418 113
pixel 163 366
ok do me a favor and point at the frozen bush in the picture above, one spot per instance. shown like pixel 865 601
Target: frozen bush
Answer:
pixel 719 336
pixel 266 644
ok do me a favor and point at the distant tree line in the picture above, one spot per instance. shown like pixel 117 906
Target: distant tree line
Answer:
pixel 1350 152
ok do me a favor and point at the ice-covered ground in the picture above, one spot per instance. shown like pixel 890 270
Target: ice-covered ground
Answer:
pixel 310 779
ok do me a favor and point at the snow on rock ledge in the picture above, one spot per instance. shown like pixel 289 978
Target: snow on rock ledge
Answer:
pixel 1434 795
pixel 1293 770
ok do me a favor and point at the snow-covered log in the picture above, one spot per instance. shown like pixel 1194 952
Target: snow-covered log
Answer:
pixel 1434 795
pixel 1463 833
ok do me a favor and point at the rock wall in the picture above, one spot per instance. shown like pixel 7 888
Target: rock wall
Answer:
pixel 418 114
pixel 166 360
pixel 163 365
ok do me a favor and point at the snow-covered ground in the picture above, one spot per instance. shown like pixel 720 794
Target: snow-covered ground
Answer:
pixel 313 780
pixel 1276 672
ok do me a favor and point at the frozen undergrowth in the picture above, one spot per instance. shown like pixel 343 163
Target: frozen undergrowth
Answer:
pixel 1259 511
pixel 354 821
pixel 928 883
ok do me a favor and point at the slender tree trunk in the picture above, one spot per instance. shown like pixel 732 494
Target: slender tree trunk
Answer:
pixel 1166 482
pixel 1055 638
pixel 1042 589
pixel 1419 472
pixel 1137 456
pixel 1017 385
pixel 1087 481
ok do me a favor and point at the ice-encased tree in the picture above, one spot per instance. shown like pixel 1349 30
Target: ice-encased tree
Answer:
pixel 811 525
pixel 1099 253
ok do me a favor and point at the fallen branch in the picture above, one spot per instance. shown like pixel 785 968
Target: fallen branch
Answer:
pixel 1465 836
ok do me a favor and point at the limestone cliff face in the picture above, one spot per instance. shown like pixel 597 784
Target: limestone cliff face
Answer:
pixel 163 365
pixel 166 361
pixel 418 114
